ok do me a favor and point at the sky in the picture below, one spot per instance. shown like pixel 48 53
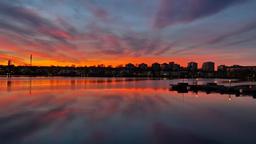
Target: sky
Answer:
pixel 115 32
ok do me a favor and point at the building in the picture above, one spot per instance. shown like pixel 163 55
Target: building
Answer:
pixel 171 65
pixel 130 66
pixel 164 67
pixel 222 68
pixel 156 67
pixel 222 71
pixel 174 67
pixel 143 66
pixel 242 72
pixel 208 67
pixel 192 66
pixel 237 68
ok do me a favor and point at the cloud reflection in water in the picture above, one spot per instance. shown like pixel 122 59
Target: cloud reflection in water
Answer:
pixel 62 110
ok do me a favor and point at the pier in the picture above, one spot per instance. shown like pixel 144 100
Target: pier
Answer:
pixel 239 90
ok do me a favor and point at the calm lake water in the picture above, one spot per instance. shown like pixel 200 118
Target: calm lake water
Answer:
pixel 119 111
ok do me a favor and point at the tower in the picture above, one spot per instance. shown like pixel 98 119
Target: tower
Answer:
pixel 31 58
pixel 9 62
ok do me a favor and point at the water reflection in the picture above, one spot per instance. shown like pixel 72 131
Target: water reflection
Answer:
pixel 9 85
pixel 96 110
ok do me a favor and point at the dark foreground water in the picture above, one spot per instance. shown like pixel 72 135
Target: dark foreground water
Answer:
pixel 119 111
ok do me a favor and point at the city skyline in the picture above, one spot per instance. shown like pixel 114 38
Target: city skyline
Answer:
pixel 192 65
pixel 94 32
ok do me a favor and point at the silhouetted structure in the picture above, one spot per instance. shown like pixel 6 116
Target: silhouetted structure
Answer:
pixel 143 67
pixel 238 90
pixel 168 70
pixel 222 68
pixel 130 66
pixel 222 71
pixel 9 69
pixel 9 63
pixel 192 67
pixel 156 67
pixel 208 67
pixel 174 67
pixel 164 67
pixel 31 59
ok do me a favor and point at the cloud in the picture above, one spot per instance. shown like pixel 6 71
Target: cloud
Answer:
pixel 68 32
pixel 25 27
pixel 172 12
pixel 129 44
pixel 14 59
pixel 97 11
pixel 26 124
pixel 163 133
pixel 223 37
pixel 28 22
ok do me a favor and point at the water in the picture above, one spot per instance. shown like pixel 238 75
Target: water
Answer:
pixel 119 111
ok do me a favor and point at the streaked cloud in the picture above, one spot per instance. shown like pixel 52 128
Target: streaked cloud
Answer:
pixel 94 32
pixel 183 11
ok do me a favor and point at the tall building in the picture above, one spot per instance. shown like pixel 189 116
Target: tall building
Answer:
pixel 192 66
pixel 208 67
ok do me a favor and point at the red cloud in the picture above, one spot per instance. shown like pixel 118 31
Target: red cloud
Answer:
pixel 56 33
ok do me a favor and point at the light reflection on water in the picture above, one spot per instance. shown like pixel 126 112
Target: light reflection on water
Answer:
pixel 105 110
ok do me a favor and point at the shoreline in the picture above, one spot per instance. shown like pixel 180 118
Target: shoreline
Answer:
pixel 2 76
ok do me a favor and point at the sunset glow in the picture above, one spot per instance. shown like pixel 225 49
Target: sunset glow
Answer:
pixel 116 32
